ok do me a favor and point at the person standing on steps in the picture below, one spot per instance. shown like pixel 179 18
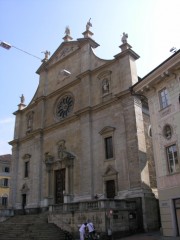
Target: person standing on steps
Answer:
pixel 82 230
pixel 91 230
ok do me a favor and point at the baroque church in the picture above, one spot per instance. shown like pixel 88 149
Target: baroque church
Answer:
pixel 82 147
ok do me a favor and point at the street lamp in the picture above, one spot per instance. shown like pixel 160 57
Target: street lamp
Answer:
pixel 5 45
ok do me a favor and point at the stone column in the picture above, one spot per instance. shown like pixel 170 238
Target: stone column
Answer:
pixel 68 162
pixel 49 162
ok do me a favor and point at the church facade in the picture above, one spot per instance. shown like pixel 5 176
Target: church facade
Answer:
pixel 83 141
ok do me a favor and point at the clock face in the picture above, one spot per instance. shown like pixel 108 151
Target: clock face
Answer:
pixel 64 106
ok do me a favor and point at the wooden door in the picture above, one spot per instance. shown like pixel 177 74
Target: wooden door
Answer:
pixel 59 185
pixel 23 201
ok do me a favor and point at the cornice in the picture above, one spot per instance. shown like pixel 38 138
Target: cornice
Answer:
pixel 166 69
pixel 127 52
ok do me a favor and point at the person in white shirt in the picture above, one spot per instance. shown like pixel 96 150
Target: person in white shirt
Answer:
pixel 82 230
pixel 91 229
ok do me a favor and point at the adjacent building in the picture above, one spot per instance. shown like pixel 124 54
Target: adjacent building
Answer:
pixel 162 88
pixel 81 147
pixel 5 173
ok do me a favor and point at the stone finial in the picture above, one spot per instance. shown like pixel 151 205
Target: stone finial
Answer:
pixel 124 37
pixel 67 36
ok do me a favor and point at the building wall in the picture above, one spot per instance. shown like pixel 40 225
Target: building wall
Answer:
pixel 5 176
pixel 168 184
pixel 166 75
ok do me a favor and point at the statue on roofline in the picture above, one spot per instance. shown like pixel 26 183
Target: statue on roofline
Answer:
pixel 67 31
pixel 124 37
pixel 88 25
pixel 46 55
pixel 22 98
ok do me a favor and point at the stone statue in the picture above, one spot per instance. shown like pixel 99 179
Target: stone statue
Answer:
pixel 61 149
pixel 48 158
pixel 22 98
pixel 88 25
pixel 46 55
pixel 105 86
pixel 124 37
pixel 67 31
pixel 29 121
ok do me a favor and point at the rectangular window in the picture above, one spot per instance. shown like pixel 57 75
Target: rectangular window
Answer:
pixel 6 169
pixel 26 169
pixel 4 201
pixel 110 189
pixel 164 98
pixel 172 158
pixel 5 184
pixel 108 147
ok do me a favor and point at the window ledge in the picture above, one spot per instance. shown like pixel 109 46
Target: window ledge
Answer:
pixel 165 111
pixel 109 159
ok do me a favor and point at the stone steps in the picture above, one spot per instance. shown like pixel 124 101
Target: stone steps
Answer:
pixel 30 227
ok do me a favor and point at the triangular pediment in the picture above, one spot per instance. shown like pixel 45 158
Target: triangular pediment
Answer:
pixel 110 170
pixel 63 51
pixel 24 188
pixel 66 49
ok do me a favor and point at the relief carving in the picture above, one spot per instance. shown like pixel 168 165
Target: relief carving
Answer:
pixel 65 157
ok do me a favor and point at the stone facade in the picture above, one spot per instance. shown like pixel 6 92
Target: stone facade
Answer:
pixel 162 88
pixel 83 137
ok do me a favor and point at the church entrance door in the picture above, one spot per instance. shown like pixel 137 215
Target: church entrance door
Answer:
pixel 59 185
pixel 23 201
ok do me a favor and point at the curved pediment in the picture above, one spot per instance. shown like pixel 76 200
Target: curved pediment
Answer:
pixel 26 156
pixel 107 130
pixel 104 74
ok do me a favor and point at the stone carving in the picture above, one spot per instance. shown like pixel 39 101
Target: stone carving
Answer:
pixel 66 157
pixel 61 148
pixel 124 37
pixel 105 82
pixel 88 25
pixel 67 31
pixel 29 121
pixel 65 51
pixel 24 188
pixel 105 86
pixel 49 159
pixel 167 132
pixel 46 55
pixel 22 98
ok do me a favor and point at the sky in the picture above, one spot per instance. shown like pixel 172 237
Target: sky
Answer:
pixel 34 26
